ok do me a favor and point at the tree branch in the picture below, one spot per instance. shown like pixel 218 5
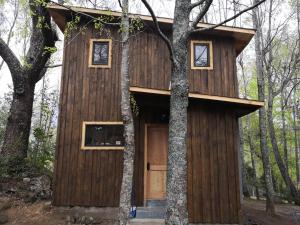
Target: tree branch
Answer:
pixel 120 4
pixel 161 34
pixel 43 37
pixel 201 14
pixel 10 33
pixel 53 66
pixel 229 19
pixel 10 58
pixel 195 4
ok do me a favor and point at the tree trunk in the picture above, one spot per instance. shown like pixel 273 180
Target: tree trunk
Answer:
pixel 243 169
pixel 126 188
pixel 177 154
pixel 25 77
pixel 284 140
pixel 252 154
pixel 280 163
pixel 17 130
pixel 296 145
pixel 270 207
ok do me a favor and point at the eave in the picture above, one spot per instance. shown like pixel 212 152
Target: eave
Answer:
pixel 242 36
pixel 241 106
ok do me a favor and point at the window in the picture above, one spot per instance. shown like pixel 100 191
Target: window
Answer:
pixel 100 53
pixel 102 135
pixel 201 55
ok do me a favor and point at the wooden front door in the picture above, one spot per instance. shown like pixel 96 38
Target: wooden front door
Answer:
pixel 156 161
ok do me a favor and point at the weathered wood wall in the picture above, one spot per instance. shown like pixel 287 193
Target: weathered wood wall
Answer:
pixel 213 177
pixel 150 66
pixel 86 177
pixel 93 178
pixel 213 171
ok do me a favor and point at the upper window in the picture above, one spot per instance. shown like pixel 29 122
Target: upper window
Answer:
pixel 201 55
pixel 100 53
pixel 102 135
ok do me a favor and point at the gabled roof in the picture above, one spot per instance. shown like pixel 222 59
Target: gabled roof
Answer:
pixel 242 36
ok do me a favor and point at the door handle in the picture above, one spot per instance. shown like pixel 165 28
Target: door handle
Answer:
pixel 148 166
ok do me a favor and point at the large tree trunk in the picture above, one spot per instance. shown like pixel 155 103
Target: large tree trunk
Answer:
pixel 243 169
pixel 282 168
pixel 252 154
pixel 270 207
pixel 177 154
pixel 25 77
pixel 126 188
pixel 17 130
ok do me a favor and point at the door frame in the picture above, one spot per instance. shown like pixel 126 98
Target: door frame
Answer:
pixel 146 154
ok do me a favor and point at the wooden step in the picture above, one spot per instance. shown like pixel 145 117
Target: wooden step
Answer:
pixel 147 222
pixel 150 212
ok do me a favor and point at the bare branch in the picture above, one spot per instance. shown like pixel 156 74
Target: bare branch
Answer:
pixel 289 94
pixel 195 4
pixel 161 34
pixel 229 19
pixel 10 58
pixel 53 66
pixel 120 4
pixel 10 33
pixel 201 14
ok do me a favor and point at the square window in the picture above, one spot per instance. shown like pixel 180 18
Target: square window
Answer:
pixel 100 53
pixel 102 135
pixel 201 55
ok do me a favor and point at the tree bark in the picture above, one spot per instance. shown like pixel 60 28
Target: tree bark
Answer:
pixel 296 145
pixel 270 207
pixel 126 188
pixel 243 169
pixel 284 140
pixel 177 213
pixel 252 154
pixel 24 79
pixel 18 124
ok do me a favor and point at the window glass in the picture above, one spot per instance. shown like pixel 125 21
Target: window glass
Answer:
pixel 100 52
pixel 201 55
pixel 104 135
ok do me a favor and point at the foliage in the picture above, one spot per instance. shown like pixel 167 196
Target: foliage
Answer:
pixel 134 105
pixel 4 110
pixel 72 26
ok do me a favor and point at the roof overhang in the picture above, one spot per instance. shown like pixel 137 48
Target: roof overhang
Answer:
pixel 241 106
pixel 242 36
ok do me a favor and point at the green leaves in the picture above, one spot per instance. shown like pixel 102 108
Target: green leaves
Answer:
pixel 136 24
pixel 50 50
pixel 71 26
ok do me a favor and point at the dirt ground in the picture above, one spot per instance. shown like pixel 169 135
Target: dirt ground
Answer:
pixel 42 213
pixel 286 214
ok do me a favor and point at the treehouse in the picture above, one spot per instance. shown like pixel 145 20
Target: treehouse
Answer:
pixel 89 155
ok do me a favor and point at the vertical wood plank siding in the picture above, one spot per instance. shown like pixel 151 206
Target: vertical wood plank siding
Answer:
pixel 87 177
pixel 93 178
pixel 213 181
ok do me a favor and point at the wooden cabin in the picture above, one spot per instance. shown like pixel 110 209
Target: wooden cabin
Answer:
pixel 89 157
